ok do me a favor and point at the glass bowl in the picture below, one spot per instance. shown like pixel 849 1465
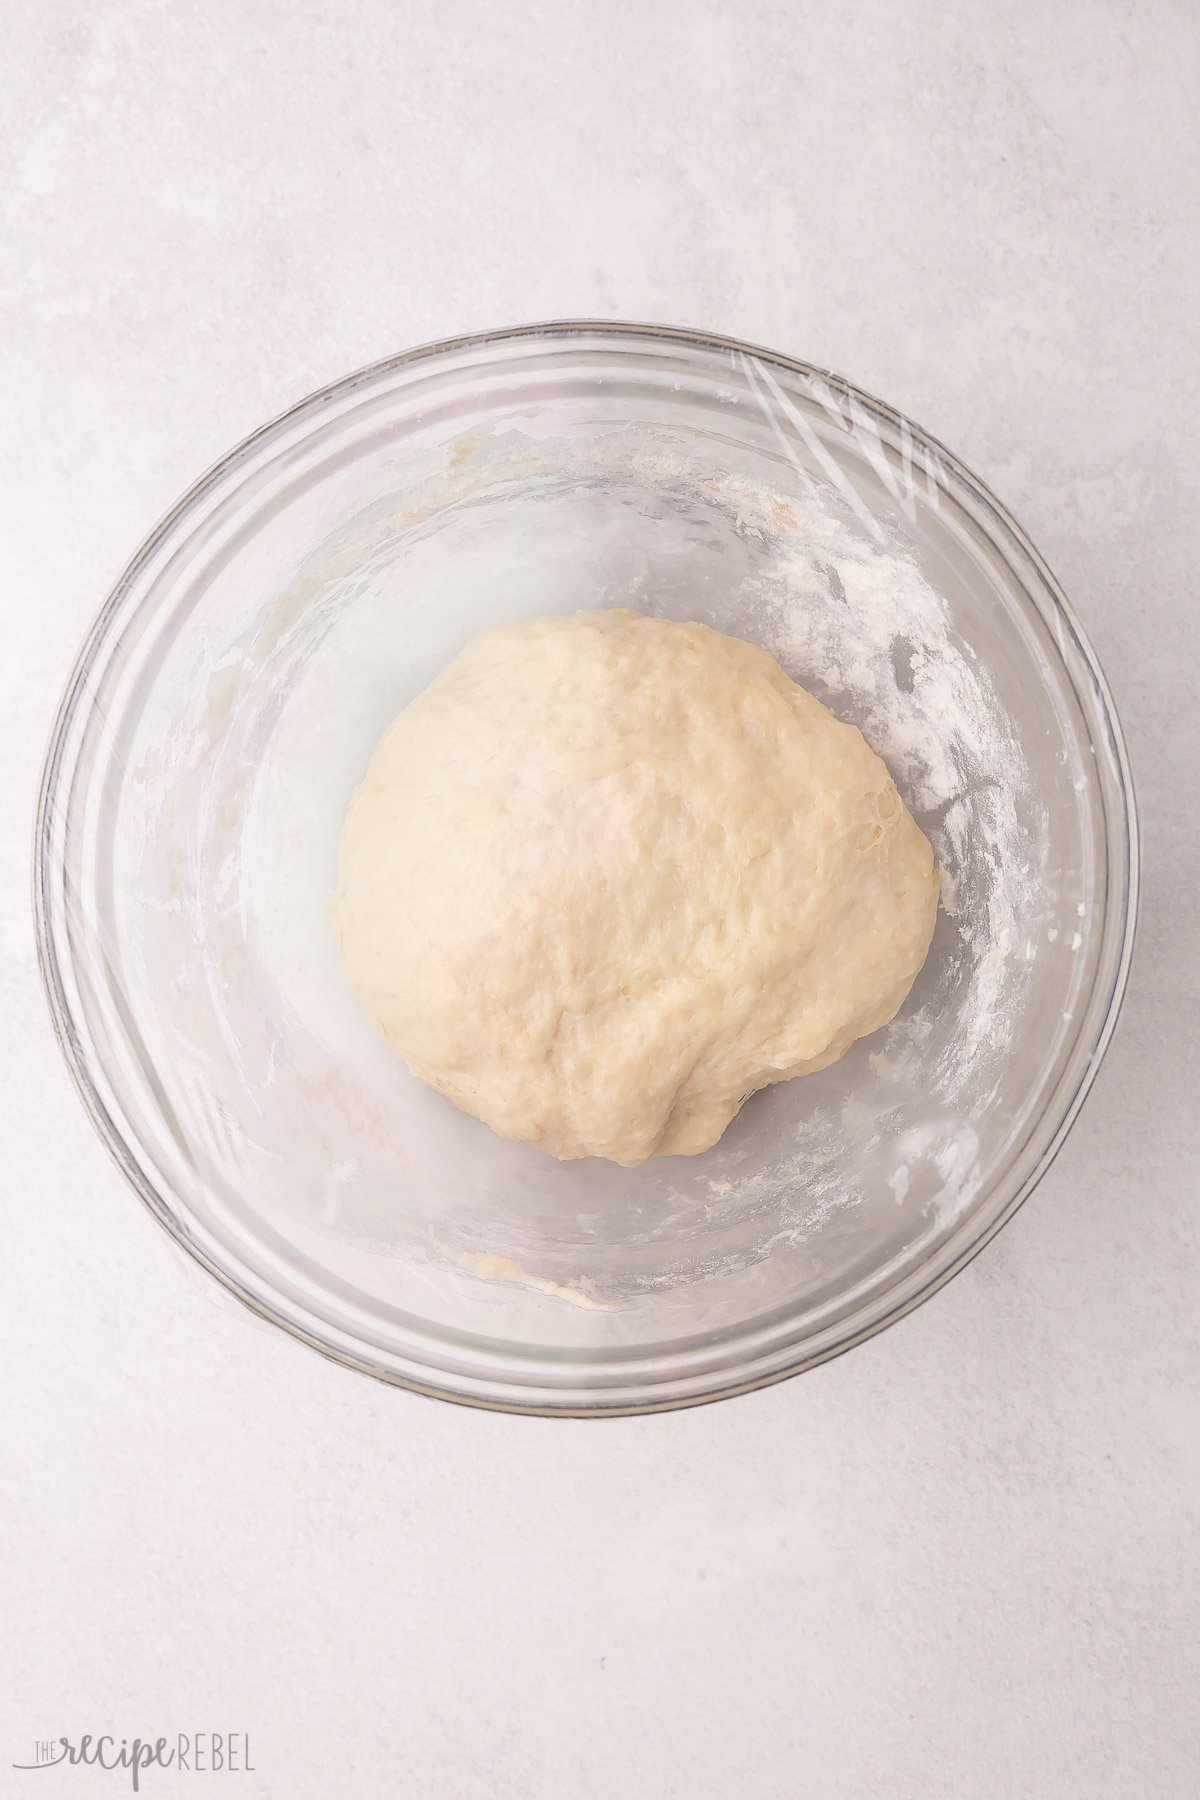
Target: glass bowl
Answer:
pixel 225 704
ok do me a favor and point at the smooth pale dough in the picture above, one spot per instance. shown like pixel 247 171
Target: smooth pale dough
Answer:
pixel 610 874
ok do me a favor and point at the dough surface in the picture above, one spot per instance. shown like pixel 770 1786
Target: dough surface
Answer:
pixel 609 874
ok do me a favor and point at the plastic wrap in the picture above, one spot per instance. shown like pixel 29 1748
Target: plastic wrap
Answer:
pixel 225 705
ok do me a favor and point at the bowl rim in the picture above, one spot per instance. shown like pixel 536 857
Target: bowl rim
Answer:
pixel 74 692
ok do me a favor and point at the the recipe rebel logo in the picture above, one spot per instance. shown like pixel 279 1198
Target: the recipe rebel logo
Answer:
pixel 192 1753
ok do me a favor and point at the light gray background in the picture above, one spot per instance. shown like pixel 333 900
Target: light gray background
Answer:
pixel 961 1561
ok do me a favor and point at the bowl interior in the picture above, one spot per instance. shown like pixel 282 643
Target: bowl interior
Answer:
pixel 232 697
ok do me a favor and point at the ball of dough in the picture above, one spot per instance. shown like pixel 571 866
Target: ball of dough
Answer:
pixel 609 874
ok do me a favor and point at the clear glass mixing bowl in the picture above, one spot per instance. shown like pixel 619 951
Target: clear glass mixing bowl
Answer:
pixel 224 706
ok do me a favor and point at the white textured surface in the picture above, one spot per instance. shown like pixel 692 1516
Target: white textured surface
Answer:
pixel 958 1564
